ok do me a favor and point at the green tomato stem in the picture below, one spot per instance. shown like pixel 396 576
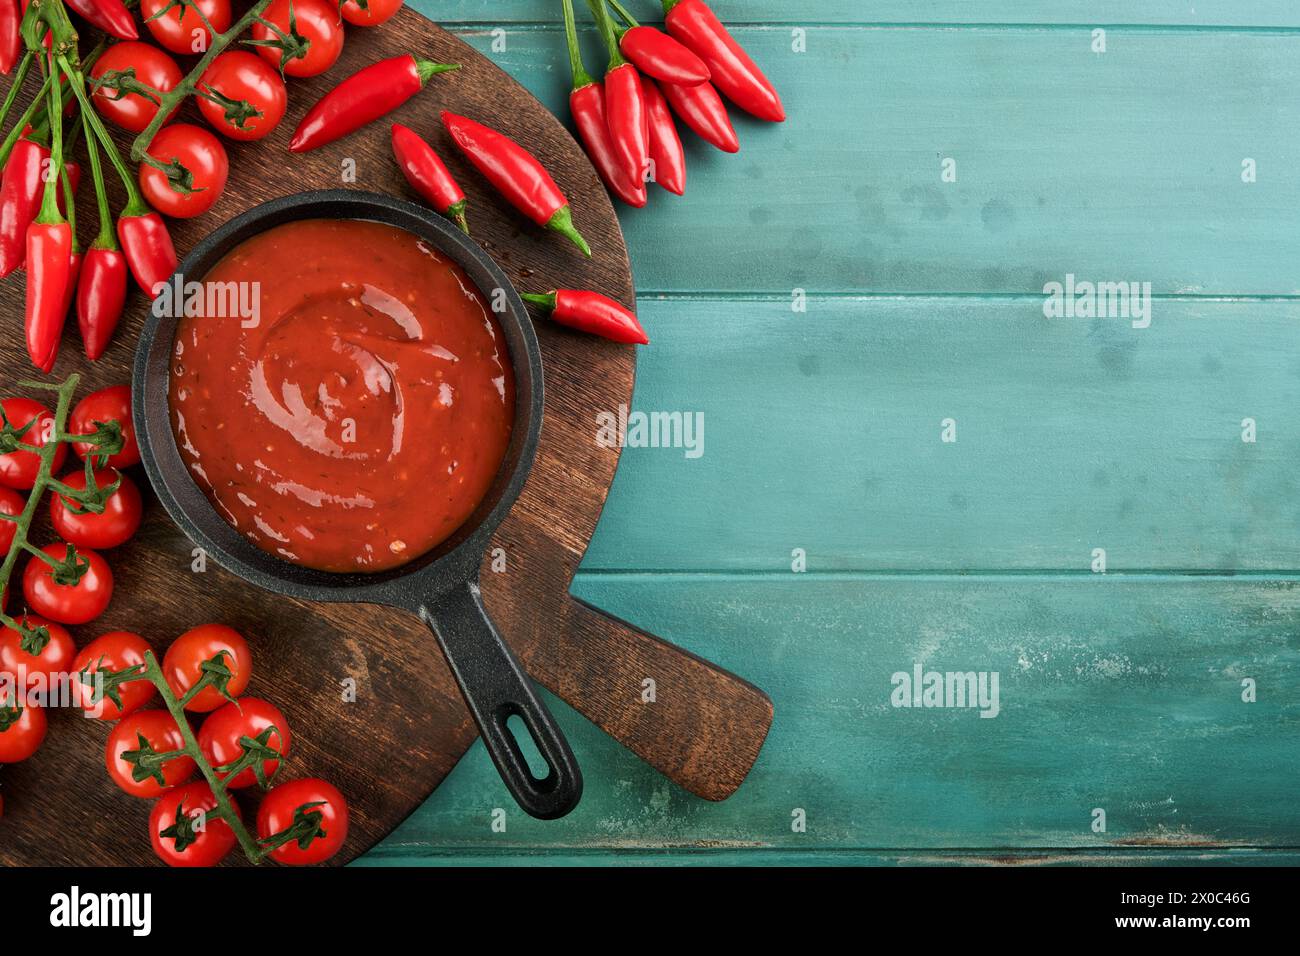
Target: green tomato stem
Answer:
pixel 186 87
pixel 225 807
pixel 44 475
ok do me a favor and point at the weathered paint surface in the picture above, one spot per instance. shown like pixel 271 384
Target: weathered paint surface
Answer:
pixel 1120 692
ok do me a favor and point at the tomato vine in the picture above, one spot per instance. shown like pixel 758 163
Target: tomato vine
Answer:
pixel 107 440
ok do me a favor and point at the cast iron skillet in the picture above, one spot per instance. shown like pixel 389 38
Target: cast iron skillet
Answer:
pixel 442 586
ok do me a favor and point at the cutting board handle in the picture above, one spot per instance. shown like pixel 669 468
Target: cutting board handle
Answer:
pixel 694 722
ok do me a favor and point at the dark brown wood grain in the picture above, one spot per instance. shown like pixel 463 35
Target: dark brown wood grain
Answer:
pixel 390 748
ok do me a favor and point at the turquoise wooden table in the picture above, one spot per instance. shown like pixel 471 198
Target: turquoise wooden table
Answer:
pixel 863 285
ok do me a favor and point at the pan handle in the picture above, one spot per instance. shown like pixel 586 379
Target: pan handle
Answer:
pixel 496 688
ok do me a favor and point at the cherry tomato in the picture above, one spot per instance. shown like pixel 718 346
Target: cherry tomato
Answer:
pixel 111 527
pixel 18 468
pixel 112 404
pixel 198 151
pixel 22 730
pixel 55 657
pixel 153 68
pixel 195 847
pixel 375 12
pixel 248 717
pixel 68 603
pixel 181 30
pixel 115 651
pixel 316 22
pixel 182 666
pixel 11 503
pixel 243 78
pixel 277 812
pixel 161 734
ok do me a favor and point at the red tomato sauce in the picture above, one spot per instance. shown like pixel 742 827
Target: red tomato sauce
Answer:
pixel 364 416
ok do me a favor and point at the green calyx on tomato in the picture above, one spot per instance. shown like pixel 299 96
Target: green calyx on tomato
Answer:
pixel 101 424
pixel 291 44
pixel 91 499
pixel 107 440
pixel 235 112
pixel 215 674
pixel 257 752
pixel 106 683
pixel 183 831
pixel 306 828
pixel 33 640
pixel 302 37
pixel 147 763
pixel 10 715
pixel 122 83
pixel 11 438
pixel 68 570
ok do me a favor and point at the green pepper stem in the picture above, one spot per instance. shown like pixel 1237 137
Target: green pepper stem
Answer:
pixel 562 222
pixel 24 67
pixel 23 122
pixel 427 69
pixel 50 214
pixel 601 14
pixel 135 204
pixel 543 300
pixel 622 12
pixel 581 78
pixel 107 238
pixel 456 213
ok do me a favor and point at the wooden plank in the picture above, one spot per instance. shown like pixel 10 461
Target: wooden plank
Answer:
pixel 822 431
pixel 1115 693
pixel 1122 165
pixel 1272 13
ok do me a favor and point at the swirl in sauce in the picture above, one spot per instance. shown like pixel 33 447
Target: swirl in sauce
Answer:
pixel 364 416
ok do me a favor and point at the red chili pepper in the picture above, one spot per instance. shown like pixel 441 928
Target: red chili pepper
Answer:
pixel 517 174
pixel 429 175
pixel 11 41
pixel 703 111
pixel 666 152
pixel 21 188
pixel 587 103
pixel 362 98
pixel 111 16
pixel 148 248
pixel 593 313
pixel 49 256
pixel 588 107
pixel 657 54
pixel 101 295
pixel 624 106
pixel 732 71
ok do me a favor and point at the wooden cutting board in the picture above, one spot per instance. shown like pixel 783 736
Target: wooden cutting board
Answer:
pixel 407 728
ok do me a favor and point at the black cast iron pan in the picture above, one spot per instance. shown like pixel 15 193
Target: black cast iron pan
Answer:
pixel 442 586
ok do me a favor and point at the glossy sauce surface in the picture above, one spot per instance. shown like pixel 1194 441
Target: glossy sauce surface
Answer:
pixel 364 416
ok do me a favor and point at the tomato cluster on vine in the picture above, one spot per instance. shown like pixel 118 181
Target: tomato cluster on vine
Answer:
pixel 153 753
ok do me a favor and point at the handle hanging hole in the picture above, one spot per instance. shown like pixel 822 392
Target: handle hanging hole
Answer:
pixel 518 728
